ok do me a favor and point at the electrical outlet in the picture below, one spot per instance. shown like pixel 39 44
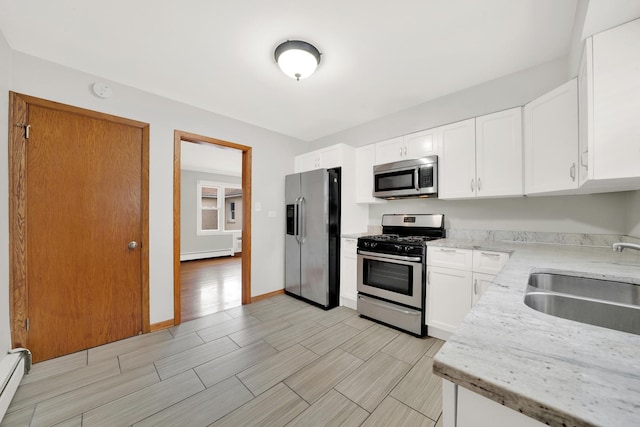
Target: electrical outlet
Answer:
pixel 272 214
pixel 258 206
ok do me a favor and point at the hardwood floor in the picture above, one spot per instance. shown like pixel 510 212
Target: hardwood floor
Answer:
pixel 275 362
pixel 210 285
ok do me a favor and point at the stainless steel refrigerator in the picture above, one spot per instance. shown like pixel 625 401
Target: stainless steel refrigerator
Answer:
pixel 312 242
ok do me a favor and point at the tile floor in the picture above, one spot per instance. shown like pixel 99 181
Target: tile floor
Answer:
pixel 276 362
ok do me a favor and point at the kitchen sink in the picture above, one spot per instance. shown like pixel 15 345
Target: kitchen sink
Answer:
pixel 606 303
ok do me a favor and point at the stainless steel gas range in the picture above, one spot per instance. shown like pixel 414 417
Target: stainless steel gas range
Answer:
pixel 392 270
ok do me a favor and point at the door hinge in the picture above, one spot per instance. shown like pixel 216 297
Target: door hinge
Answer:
pixel 26 127
pixel 27 324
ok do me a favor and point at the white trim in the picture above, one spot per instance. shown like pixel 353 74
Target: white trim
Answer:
pixel 220 205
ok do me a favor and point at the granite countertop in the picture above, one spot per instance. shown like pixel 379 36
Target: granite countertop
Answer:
pixel 558 371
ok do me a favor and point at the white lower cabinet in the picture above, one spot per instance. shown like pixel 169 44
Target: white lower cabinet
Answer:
pixel 456 279
pixel 464 408
pixel 481 282
pixel 348 272
pixel 448 297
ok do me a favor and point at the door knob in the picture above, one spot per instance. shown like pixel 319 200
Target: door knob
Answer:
pixel 133 245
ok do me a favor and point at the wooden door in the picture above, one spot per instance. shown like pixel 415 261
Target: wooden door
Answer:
pixel 84 197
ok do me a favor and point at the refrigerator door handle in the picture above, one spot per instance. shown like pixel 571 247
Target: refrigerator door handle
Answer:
pixel 302 231
pixel 296 216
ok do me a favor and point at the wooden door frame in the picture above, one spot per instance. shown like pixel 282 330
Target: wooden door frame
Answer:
pixel 178 137
pixel 18 296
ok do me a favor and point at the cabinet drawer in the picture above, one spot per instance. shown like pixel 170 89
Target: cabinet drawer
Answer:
pixel 489 262
pixel 460 259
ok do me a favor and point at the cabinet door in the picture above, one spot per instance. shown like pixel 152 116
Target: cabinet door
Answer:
pixel 330 157
pixel 551 141
pixel 481 282
pixel 348 271
pixel 477 411
pixel 391 150
pixel 307 162
pixel 616 102
pixel 499 154
pixel 421 144
pixel 448 297
pixel 585 113
pixel 365 159
pixel 457 160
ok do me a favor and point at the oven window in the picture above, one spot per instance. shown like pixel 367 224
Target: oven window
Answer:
pixel 388 276
pixel 394 181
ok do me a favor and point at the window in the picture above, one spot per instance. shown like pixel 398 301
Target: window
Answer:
pixel 219 207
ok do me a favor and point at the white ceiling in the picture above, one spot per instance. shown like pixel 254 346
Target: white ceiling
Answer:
pixel 379 56
pixel 210 158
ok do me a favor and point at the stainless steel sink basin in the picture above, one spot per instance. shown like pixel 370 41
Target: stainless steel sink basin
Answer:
pixel 606 303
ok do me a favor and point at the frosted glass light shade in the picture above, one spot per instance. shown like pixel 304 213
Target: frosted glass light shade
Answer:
pixel 297 59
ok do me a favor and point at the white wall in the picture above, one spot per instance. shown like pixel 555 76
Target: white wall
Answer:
pixel 496 95
pixel 272 159
pixel 5 82
pixel 593 214
pixel 633 214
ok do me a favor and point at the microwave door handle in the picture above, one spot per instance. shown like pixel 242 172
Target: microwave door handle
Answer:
pixel 416 175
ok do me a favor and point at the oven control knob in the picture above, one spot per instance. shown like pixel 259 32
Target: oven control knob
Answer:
pixel 374 244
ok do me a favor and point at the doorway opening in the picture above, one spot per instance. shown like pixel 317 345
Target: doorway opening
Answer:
pixel 217 274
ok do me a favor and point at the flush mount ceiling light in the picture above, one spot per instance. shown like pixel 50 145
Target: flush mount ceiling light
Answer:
pixel 297 59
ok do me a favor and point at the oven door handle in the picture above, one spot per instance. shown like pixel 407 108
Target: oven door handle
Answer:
pixel 388 307
pixel 375 255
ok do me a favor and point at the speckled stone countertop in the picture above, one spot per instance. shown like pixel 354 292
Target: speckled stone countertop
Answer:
pixel 560 372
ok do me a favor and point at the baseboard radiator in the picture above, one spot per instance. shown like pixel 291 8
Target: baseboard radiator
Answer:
pixel 13 366
pixel 206 254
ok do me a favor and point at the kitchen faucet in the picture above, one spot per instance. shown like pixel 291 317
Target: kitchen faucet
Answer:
pixel 620 246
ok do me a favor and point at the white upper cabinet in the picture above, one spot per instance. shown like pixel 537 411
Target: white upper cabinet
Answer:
pixel 390 150
pixel 499 154
pixel 365 160
pixel 609 91
pixel 551 141
pixel 325 158
pixel 421 144
pixel 481 157
pixel 411 146
pixel 457 160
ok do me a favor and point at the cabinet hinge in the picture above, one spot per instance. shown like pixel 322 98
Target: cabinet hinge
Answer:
pixel 26 127
pixel 27 324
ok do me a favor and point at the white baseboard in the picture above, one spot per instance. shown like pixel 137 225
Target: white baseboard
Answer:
pixel 348 302
pixel 210 254
pixel 438 333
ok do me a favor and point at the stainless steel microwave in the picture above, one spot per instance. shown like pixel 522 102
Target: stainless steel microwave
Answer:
pixel 407 178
